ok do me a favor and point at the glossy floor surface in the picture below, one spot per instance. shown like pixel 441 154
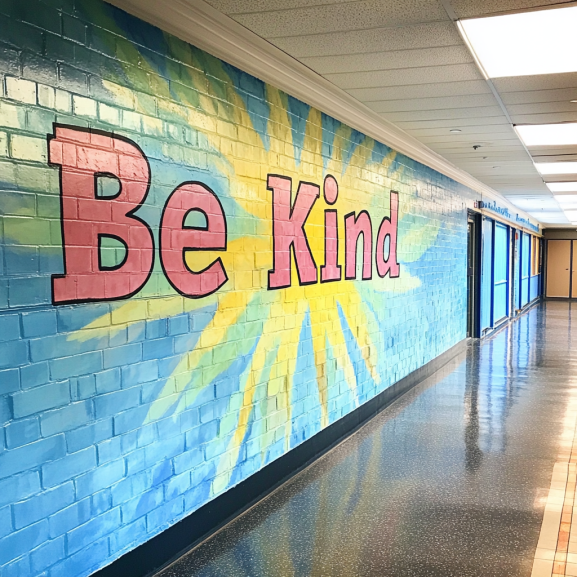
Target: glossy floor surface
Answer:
pixel 450 480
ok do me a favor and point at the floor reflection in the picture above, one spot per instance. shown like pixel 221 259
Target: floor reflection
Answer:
pixel 443 483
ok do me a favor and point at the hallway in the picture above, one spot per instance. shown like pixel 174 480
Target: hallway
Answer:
pixel 451 480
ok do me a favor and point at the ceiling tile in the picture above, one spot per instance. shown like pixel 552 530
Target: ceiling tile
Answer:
pixel 420 91
pixel 452 73
pixel 415 36
pixel 389 60
pixel 474 8
pixel 341 16
pixel 539 82
pixel 548 118
pixel 542 108
pixel 534 96
pixel 455 113
pixel 446 102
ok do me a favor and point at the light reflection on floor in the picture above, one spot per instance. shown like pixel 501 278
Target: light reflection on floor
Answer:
pixel 449 481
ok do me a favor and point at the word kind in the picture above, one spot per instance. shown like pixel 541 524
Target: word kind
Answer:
pixel 84 156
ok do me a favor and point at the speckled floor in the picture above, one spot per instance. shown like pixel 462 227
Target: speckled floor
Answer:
pixel 449 481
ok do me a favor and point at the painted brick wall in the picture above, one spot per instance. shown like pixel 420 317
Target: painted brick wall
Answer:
pixel 120 417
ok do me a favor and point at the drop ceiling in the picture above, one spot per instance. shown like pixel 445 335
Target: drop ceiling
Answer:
pixel 407 61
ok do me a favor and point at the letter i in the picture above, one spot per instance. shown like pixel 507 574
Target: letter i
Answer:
pixel 331 270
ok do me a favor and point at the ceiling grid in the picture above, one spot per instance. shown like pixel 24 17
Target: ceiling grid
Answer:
pixel 407 61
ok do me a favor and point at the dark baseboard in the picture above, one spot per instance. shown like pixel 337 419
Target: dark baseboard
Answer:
pixel 196 527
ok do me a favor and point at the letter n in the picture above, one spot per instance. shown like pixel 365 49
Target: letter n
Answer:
pixel 288 231
pixel 388 228
pixel 354 227
pixel 83 157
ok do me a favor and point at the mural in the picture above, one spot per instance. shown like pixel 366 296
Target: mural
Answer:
pixel 199 272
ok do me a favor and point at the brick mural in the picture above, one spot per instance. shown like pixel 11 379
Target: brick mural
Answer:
pixel 198 273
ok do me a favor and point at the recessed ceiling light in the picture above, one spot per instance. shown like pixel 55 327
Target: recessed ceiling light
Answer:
pixel 566 198
pixel 455 130
pixel 573 101
pixel 527 43
pixel 563 134
pixel 571 214
pixel 556 167
pixel 562 186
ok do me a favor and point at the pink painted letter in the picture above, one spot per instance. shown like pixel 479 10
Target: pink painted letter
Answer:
pixel 83 157
pixel 388 228
pixel 288 231
pixel 176 239
pixel 354 227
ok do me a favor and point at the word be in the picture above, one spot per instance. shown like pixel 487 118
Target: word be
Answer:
pixel 85 156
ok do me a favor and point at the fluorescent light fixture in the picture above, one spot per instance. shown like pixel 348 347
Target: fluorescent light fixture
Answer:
pixel 564 134
pixel 556 167
pixel 564 199
pixel 527 43
pixel 571 214
pixel 562 186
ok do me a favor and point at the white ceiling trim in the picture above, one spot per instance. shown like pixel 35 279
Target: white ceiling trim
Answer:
pixel 200 24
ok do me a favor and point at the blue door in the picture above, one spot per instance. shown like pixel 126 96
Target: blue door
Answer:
pixel 501 273
pixel 487 274
pixel 525 268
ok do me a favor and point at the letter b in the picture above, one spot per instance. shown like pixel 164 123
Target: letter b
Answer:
pixel 83 156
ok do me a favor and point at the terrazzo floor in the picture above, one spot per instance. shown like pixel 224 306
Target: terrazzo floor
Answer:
pixel 453 479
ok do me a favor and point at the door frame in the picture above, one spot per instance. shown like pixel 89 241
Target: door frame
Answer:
pixel 474 291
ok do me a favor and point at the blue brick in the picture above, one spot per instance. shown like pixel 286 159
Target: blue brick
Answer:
pixel 70 417
pixel 83 437
pixel 100 502
pixel 13 353
pixel 69 467
pixel 40 399
pixel 164 450
pixel 141 504
pixel 167 365
pixel 43 505
pixel 122 539
pixel 47 554
pixel 39 324
pixel 108 381
pixel 177 485
pixel 113 403
pixel 109 450
pixel 136 462
pixel 84 562
pixel 29 291
pixel 165 515
pixel 9 381
pixel 30 456
pixel 21 542
pixel 139 373
pixel 188 460
pixel 101 478
pixel 199 435
pixel 74 318
pixel 5 522
pixel 19 487
pixel 20 433
pixel 34 375
pixel 77 365
pixel 83 388
pixel 69 518
pixel 122 356
pixel 18 568
pixel 178 325
pixel 95 528
pixel 56 346
pixel 131 419
pixel 9 327
pixel 124 490
pixel 158 348
pixel 156 329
